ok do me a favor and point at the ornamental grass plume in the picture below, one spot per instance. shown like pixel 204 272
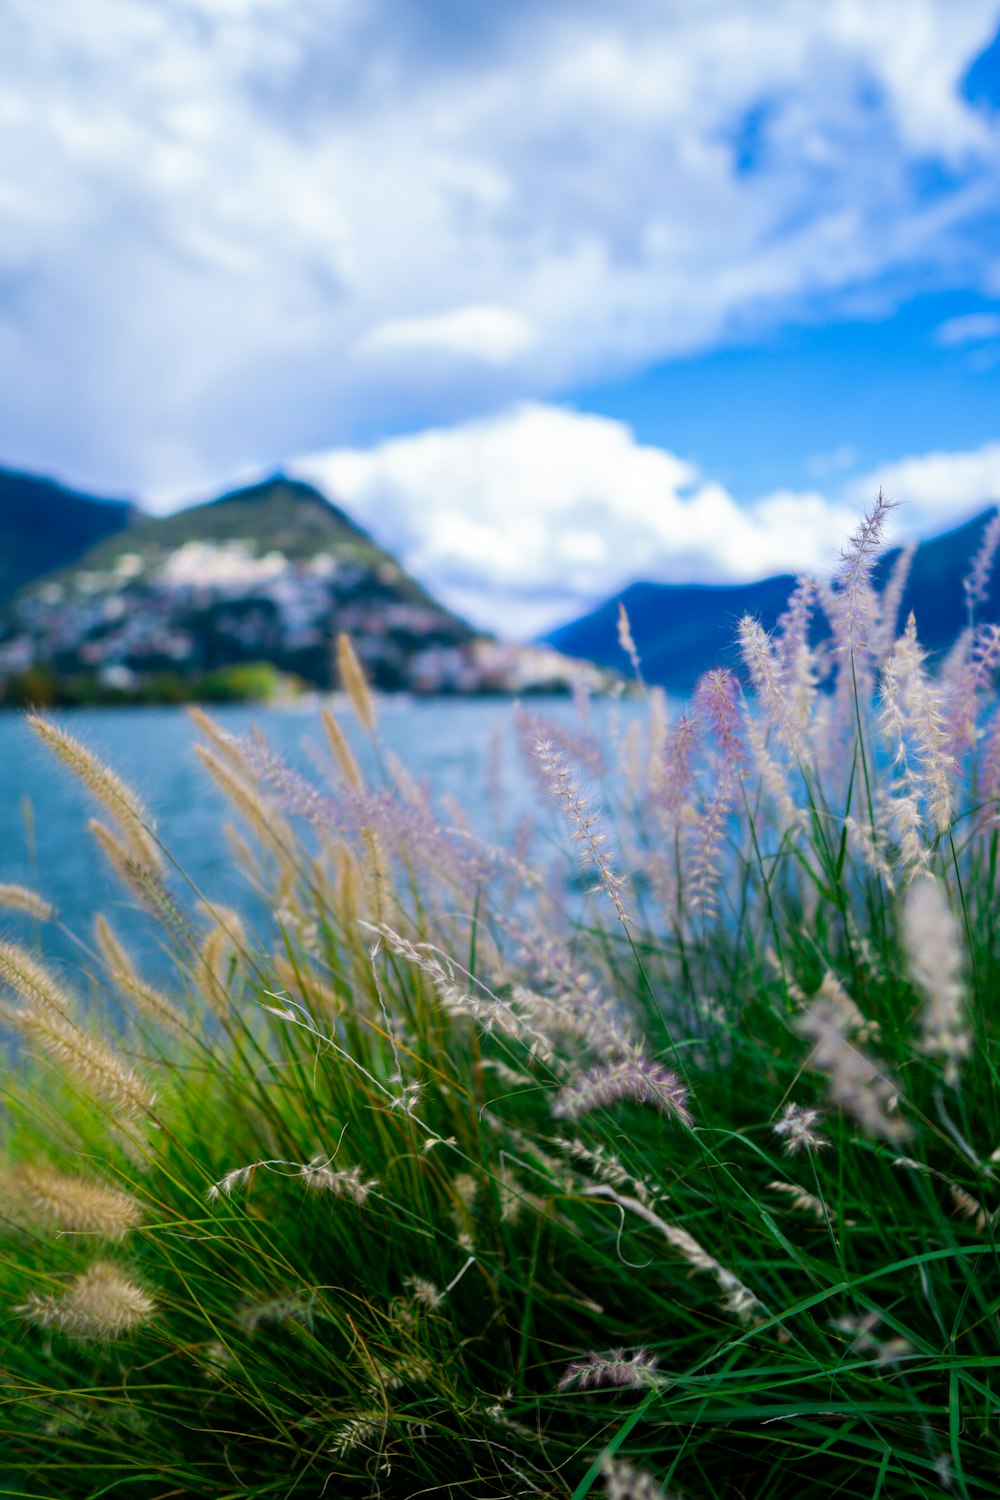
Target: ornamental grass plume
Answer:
pixel 797 1128
pixel 584 822
pixel 31 980
pixel 635 1078
pixel 19 898
pixel 767 673
pixel 90 1063
pixel 912 719
pixel 148 1000
pixel 102 1303
pixel 354 683
pixel 624 1481
pixel 934 956
pixel 855 603
pixel 636 1371
pixel 857 1083
pixel 626 641
pixel 145 881
pixel 51 1199
pixel 715 700
pixel 115 795
pixel 976 584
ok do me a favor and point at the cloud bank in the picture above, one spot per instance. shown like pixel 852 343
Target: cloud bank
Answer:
pixel 524 520
pixel 235 229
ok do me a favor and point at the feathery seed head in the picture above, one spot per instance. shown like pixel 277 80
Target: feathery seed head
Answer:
pixel 349 769
pixel 20 972
pixel 931 937
pixel 101 1303
pixel 977 582
pixel 94 1066
pixel 423 1291
pixel 585 823
pixel 637 1370
pixel 352 680
pixel 623 1481
pixel 857 1084
pixel 800 1201
pixel 797 1127
pixel 114 794
pixel 70 1203
pixel 19 898
pixel 854 602
pixel 627 642
pixel 633 1077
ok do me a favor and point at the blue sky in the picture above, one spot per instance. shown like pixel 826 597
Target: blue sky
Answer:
pixel 550 294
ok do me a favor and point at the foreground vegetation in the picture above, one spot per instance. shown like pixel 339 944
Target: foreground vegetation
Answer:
pixel 467 1182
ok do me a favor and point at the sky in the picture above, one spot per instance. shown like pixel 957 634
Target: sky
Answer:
pixel 549 294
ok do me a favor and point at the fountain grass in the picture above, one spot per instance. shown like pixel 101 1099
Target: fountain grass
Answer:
pixel 467 1180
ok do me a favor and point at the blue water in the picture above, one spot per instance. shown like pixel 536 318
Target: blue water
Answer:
pixel 44 843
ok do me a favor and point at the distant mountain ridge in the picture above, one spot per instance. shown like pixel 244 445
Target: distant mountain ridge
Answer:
pixel 44 526
pixel 209 600
pixel 682 630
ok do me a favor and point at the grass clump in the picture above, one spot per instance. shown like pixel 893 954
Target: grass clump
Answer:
pixel 465 1183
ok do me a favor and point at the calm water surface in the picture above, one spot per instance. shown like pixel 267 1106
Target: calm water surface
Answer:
pixel 44 811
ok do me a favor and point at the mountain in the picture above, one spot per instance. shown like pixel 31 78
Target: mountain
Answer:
pixel 226 598
pixel 681 630
pixel 44 526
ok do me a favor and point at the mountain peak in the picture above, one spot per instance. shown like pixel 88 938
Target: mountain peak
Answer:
pixel 265 489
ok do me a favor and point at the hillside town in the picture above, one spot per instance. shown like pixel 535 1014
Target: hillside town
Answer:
pixel 205 606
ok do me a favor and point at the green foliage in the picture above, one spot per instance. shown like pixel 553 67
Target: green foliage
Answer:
pixel 460 1184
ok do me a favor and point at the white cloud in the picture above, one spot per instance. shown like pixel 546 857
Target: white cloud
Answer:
pixel 837 461
pixel 525 520
pixel 491 334
pixel 972 328
pixel 215 212
pixel 934 490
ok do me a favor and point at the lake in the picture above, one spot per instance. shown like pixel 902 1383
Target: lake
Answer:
pixel 44 843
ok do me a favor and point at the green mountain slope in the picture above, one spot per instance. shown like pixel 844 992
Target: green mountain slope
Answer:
pixel 266 574
pixel 44 526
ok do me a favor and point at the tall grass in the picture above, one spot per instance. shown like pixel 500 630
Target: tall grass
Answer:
pixel 463 1182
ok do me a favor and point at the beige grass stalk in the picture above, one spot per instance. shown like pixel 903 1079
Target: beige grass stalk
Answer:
pixel 913 715
pixel 585 823
pixel 224 744
pixel 150 1001
pixel 101 1303
pixel 349 769
pixel 802 1202
pixel 22 973
pixel 887 612
pixel 143 880
pixel 773 777
pixel 934 953
pixel 857 1083
pixel 238 786
pixel 98 1069
pixel 768 681
pixel 626 641
pixel 114 794
pixel 739 1299
pixel 19 898
pixel 623 1481
pixel 352 680
pixel 75 1204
